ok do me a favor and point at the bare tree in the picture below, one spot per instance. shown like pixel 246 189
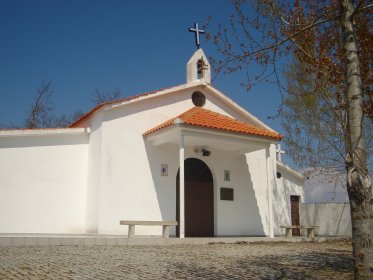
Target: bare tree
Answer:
pixel 41 113
pixel 41 108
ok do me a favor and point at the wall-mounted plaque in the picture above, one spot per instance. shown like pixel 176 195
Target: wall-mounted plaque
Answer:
pixel 226 194
pixel 227 175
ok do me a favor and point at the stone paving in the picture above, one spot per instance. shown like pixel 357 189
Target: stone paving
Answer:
pixel 260 260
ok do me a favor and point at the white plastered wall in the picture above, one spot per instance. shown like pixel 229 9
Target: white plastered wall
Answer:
pixel 243 215
pixel 260 169
pixel 43 183
pixel 127 187
pixel 289 184
pixel 332 219
pixel 131 186
pixel 154 198
pixel 94 174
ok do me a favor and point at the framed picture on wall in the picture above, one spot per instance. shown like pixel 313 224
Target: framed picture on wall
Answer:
pixel 227 175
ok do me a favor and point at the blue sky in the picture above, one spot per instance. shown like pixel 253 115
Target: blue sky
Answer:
pixel 81 45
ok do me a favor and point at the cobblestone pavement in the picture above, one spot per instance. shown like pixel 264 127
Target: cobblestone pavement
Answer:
pixel 266 260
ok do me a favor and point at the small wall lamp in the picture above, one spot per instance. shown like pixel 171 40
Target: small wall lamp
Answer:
pixel 205 152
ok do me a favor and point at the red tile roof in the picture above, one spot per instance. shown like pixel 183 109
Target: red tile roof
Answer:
pixel 205 118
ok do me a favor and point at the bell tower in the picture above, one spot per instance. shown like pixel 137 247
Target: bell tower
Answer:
pixel 198 68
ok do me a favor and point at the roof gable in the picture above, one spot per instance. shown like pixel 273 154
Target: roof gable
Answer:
pixel 175 90
pixel 99 106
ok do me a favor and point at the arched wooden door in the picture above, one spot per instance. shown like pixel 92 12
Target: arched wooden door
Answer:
pixel 199 199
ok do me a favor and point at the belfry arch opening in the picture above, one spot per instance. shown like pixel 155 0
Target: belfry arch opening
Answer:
pixel 201 67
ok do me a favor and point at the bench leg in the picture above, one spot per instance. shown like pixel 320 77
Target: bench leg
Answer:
pixel 310 233
pixel 289 233
pixel 131 231
pixel 165 231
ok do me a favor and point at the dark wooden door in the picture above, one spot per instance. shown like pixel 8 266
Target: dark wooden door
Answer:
pixel 294 202
pixel 199 209
pixel 199 199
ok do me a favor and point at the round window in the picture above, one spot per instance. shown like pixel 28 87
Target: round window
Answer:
pixel 198 99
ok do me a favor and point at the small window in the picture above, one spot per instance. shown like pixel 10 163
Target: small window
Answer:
pixel 198 99
pixel 226 194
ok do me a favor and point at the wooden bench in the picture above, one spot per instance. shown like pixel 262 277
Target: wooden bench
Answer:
pixel 310 230
pixel 165 226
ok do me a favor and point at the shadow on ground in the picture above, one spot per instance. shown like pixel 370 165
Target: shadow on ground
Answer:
pixel 310 265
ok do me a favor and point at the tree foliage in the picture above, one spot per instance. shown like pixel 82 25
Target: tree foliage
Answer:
pixel 265 33
pixel 319 53
pixel 315 135
pixel 315 114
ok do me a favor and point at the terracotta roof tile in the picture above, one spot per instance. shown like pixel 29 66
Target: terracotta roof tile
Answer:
pixel 205 118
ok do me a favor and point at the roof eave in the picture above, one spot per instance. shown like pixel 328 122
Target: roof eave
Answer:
pixel 268 139
pixel 43 132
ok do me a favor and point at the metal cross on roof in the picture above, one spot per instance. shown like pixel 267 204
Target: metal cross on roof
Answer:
pixel 197 32
pixel 279 152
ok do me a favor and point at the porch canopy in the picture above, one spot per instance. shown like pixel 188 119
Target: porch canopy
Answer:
pixel 204 128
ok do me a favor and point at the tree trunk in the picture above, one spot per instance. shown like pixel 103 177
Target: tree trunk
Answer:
pixel 358 179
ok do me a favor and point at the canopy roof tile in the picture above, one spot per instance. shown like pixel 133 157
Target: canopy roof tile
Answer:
pixel 201 117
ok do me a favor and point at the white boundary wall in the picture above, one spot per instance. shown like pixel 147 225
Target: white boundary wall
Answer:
pixel 43 182
pixel 333 219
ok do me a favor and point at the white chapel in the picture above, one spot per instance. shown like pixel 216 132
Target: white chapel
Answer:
pixel 186 153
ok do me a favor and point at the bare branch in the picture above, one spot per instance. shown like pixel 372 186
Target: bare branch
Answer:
pixel 275 45
pixel 100 97
pixel 41 108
